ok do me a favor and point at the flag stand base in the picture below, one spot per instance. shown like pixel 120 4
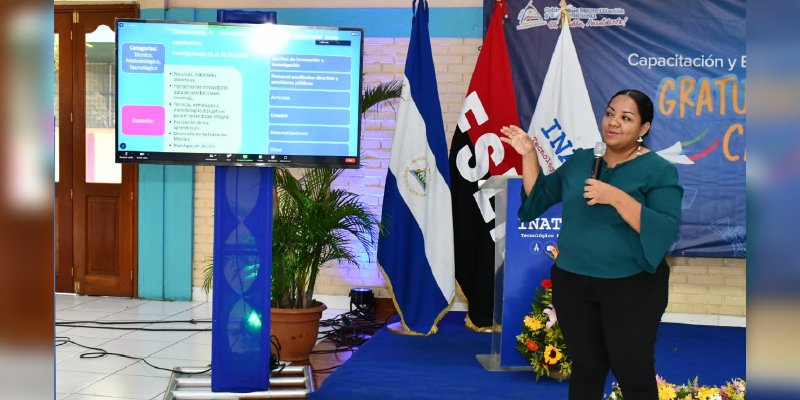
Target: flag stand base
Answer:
pixel 293 382
pixel 397 327
pixel 491 362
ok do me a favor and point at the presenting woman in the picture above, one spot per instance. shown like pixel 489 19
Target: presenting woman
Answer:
pixel 610 278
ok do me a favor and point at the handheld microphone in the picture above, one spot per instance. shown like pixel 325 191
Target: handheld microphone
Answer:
pixel 599 151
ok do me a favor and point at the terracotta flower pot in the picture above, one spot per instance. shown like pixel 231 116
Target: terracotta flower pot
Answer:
pixel 296 330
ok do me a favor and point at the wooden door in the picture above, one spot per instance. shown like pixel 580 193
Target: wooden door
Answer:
pixel 102 194
pixel 63 149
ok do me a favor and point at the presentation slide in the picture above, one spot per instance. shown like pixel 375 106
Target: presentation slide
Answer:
pixel 203 93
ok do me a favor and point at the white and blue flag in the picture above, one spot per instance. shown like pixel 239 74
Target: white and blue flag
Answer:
pixel 415 249
pixel 563 119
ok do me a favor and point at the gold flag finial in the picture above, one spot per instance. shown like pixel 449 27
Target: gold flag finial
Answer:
pixel 565 17
pixel 503 8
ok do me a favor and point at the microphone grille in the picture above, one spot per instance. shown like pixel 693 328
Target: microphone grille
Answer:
pixel 599 149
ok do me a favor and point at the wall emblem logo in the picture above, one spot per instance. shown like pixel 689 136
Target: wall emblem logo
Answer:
pixel 529 17
pixel 587 17
pixel 416 175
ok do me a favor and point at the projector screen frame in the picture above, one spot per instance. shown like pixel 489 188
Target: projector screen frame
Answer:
pixel 123 154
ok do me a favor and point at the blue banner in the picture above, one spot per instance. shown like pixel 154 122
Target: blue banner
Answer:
pixel 689 57
pixel 527 264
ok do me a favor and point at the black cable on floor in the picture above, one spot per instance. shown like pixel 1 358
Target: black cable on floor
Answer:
pixel 101 322
pixel 143 328
pixel 349 331
pixel 276 367
pixel 328 369
pixel 100 353
pixel 92 324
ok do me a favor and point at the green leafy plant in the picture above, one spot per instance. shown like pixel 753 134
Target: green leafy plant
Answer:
pixel 379 93
pixel 315 224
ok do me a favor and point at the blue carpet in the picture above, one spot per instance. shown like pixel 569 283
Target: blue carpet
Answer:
pixel 443 366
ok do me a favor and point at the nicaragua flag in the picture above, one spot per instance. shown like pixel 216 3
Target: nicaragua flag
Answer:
pixel 415 249
pixel 563 119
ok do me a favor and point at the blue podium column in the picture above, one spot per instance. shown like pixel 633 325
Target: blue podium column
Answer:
pixel 240 327
pixel 243 199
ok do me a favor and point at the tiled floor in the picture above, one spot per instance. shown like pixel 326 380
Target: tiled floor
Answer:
pixel 113 377
pixel 116 378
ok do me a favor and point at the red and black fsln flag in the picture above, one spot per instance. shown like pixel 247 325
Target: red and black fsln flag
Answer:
pixel 476 153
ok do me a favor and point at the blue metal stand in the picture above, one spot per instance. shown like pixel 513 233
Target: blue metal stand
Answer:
pixel 240 345
pixel 240 349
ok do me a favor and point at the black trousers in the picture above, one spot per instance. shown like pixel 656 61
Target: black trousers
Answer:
pixel 611 324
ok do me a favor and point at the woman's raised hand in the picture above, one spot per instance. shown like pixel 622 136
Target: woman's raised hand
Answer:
pixel 518 139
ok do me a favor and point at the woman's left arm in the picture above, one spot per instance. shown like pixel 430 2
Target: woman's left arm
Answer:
pixel 598 192
pixel 656 220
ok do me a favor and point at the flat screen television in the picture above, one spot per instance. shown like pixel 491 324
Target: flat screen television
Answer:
pixel 238 94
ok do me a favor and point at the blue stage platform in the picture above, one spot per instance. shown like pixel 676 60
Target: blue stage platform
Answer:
pixel 443 366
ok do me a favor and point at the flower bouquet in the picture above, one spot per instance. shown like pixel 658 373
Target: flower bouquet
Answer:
pixel 732 390
pixel 541 341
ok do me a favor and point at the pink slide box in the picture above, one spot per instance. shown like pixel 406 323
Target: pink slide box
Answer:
pixel 143 120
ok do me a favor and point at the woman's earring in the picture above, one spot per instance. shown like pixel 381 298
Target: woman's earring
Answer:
pixel 639 148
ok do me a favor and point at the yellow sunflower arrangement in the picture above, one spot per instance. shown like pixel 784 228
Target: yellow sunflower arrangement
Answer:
pixel 735 389
pixel 541 341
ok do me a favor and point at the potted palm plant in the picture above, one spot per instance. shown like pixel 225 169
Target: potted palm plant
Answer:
pixel 313 224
